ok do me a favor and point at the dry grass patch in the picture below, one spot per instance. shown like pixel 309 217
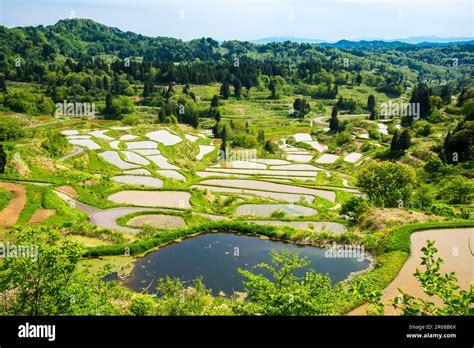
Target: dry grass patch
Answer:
pixel 379 218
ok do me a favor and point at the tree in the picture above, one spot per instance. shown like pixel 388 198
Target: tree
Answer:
pixel 105 83
pixel 223 148
pixel 395 144
pixel 186 89
pixel 285 293
pixel 3 85
pixel 446 95
pixel 146 89
pixel 215 101
pixel 301 107
pixel 334 124
pixel 108 104
pixel 195 120
pixel 373 115
pixel 405 140
pixel 421 94
pixel 271 147
pixel 459 145
pixel 371 103
pixel 50 281
pixel 3 159
pixel 237 89
pixel 457 190
pixel 261 137
pixel 225 90
pixel 387 184
pixel 162 116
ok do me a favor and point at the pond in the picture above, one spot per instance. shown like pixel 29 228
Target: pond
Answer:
pixel 216 257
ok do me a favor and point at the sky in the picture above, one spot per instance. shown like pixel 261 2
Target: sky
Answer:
pixel 328 20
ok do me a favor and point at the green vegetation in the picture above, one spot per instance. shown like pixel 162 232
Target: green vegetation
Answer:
pixel 411 169
pixel 5 197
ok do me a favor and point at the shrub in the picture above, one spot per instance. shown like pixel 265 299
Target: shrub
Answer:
pixel 387 184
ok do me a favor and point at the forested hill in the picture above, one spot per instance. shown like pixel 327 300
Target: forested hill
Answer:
pixel 75 37
pixel 82 45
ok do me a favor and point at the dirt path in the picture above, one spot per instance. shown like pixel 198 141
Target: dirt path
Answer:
pixel 453 248
pixel 41 214
pixel 10 214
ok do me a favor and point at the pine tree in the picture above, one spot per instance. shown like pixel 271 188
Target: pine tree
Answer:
pixel 162 116
pixel 215 101
pixel 105 83
pixel 371 103
pixel 405 140
pixel 446 95
pixel 421 94
pixel 395 144
pixel 238 89
pixel 3 84
pixel 195 120
pixel 108 104
pixel 334 124
pixel 146 89
pixel 373 115
pixel 223 148
pixel 225 90
pixel 186 89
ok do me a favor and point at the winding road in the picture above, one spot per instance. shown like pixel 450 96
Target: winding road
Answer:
pixel 77 151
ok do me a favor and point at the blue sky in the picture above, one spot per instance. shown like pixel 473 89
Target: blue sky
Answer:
pixel 329 20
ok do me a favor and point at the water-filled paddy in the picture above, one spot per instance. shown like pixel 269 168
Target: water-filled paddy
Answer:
pixel 268 209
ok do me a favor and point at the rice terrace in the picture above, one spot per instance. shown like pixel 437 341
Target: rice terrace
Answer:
pixel 158 176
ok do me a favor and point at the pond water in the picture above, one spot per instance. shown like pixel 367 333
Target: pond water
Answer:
pixel 216 257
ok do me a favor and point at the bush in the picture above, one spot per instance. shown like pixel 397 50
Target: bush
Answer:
pixel 355 207
pixel 457 190
pixel 11 128
pixel 387 184
pixel 55 144
pixel 374 133
pixel 343 138
pixel 130 120
pixel 142 305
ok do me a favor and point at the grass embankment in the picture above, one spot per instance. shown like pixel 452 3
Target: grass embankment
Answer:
pixel 5 197
pixel 274 232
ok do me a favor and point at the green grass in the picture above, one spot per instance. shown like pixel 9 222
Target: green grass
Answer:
pixel 5 197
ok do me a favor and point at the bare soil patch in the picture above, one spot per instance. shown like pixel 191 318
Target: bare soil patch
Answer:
pixel 69 190
pixel 41 214
pixel 10 214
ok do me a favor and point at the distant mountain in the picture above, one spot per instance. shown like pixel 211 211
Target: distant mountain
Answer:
pixel 266 40
pixel 379 44
pixel 373 43
pixel 434 39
